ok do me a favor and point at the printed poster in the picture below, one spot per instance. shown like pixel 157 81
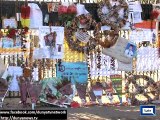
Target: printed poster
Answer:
pixel 77 72
pixel 51 40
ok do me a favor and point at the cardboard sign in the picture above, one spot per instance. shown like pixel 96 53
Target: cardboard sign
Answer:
pixel 118 50
pixel 12 23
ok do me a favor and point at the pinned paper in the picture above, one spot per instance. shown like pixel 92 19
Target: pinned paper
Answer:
pixel 82 36
pixel 81 10
pixel 103 28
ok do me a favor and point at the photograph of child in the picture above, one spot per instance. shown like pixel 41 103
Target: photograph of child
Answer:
pixel 130 50
pixel 50 39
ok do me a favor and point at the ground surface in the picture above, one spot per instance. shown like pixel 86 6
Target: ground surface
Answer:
pixel 91 113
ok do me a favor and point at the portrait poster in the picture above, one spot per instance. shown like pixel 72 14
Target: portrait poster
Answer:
pixel 52 38
pixel 130 50
pixel 76 72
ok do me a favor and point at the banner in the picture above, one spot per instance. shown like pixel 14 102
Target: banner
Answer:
pixel 106 68
pixel 75 71
pixel 117 84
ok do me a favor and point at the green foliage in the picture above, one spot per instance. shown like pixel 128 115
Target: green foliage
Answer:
pixel 66 18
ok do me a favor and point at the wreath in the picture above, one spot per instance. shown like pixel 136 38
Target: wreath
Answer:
pixel 110 18
pixel 112 14
pixel 140 89
pixel 110 36
pixel 74 42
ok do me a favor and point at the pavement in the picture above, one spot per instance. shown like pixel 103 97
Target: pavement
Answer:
pixel 91 112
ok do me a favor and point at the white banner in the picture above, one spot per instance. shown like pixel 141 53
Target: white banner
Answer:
pixel 106 68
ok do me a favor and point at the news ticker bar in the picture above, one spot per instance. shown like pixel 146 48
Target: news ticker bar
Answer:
pixel 33 114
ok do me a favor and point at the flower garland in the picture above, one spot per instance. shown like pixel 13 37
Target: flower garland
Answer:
pixel 74 27
pixel 111 36
pixel 139 89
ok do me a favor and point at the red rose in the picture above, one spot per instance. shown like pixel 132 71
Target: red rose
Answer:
pixel 62 9
pixel 72 9
pixel 12 33
pixel 9 36
pixel 154 14
pixel 26 30
pixel 75 104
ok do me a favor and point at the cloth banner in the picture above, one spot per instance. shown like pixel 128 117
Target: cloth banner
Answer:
pixel 106 67
pixel 75 71
pixel 118 51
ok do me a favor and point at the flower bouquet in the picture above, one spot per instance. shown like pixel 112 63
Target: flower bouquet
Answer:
pixel 66 87
pixel 66 14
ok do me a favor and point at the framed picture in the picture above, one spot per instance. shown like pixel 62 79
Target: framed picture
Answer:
pixel 130 50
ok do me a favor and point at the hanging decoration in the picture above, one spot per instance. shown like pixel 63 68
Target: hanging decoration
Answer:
pixel 75 44
pixel 154 14
pixel 108 12
pixel 110 36
pixel 25 16
pixel 132 79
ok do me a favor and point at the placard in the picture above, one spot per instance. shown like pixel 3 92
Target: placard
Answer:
pixel 12 23
pixel 75 71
